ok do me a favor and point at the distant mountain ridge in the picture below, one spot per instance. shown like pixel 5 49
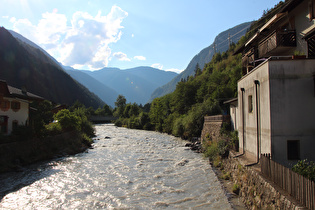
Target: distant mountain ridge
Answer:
pixel 107 94
pixel 136 84
pixel 25 65
pixel 220 44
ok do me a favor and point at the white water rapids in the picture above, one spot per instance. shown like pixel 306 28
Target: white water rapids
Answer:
pixel 127 169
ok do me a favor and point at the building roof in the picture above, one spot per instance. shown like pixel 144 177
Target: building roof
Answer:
pixel 230 101
pixel 9 91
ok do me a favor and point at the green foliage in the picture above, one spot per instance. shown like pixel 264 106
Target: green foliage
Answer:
pixel 105 111
pixel 67 120
pixel 236 188
pixel 41 116
pixel 226 176
pixel 182 112
pixel 305 168
pixel 85 125
pixel 53 128
pixel 120 106
pixel 211 150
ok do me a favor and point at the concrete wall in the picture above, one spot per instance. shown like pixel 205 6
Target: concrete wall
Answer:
pixel 234 113
pixel 292 101
pixel 286 109
pixel 248 120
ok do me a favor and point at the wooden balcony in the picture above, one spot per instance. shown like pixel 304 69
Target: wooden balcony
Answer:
pixel 277 44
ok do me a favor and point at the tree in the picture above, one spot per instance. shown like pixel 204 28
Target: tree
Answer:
pixel 67 120
pixel 120 106
pixel 120 101
pixel 197 70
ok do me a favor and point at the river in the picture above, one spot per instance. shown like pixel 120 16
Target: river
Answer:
pixel 127 169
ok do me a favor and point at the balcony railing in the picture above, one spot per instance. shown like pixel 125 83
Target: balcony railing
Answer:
pixel 276 42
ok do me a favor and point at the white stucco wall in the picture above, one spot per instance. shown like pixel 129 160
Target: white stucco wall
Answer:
pixel 21 116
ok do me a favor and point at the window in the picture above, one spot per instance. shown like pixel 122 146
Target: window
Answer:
pixel 15 106
pixel 293 149
pixel 250 103
pixel 4 105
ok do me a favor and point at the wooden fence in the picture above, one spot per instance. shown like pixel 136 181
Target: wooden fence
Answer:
pixel 299 187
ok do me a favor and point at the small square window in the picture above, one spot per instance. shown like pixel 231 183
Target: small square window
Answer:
pixel 250 103
pixel 293 149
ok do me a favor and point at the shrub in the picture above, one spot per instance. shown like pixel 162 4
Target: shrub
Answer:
pixel 223 150
pixel 211 150
pixel 305 168
pixel 53 128
pixel 226 176
pixel 236 189
pixel 67 120
pixel 86 140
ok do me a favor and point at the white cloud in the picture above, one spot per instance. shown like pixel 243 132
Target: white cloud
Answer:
pixel 140 58
pixel 121 56
pixel 157 66
pixel 84 40
pixel 178 71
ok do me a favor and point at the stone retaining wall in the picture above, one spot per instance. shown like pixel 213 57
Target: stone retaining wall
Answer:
pixel 255 191
pixel 212 126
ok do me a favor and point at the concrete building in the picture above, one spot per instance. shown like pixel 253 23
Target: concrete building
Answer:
pixel 14 107
pixel 276 95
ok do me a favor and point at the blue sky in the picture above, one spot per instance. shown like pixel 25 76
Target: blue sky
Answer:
pixel 90 35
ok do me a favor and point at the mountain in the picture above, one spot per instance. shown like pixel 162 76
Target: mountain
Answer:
pixel 25 65
pixel 35 50
pixel 108 95
pixel 220 44
pixel 136 84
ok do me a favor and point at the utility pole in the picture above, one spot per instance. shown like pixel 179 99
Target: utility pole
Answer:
pixel 214 47
pixel 229 38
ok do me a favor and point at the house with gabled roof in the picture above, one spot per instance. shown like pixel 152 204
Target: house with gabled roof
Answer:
pixel 276 95
pixel 14 107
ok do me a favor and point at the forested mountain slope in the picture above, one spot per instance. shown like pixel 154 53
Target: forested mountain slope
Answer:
pixel 220 44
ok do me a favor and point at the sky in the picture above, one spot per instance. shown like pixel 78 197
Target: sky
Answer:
pixel 93 34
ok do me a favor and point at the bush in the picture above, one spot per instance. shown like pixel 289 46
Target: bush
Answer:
pixel 211 150
pixel 53 128
pixel 67 120
pixel 236 189
pixel 305 168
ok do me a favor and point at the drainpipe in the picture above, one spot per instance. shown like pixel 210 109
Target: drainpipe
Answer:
pixel 243 120
pixel 257 118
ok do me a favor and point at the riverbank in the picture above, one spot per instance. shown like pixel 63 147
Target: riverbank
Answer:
pixel 15 155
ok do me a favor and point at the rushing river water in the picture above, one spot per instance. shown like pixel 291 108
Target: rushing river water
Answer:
pixel 127 169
